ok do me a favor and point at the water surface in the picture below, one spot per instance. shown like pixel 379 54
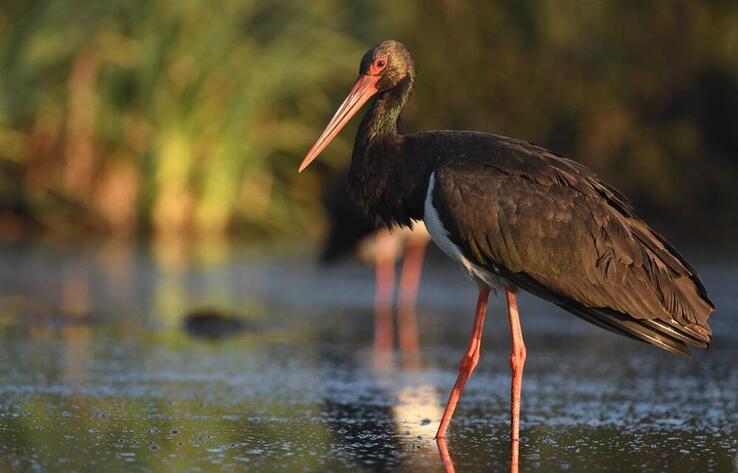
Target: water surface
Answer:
pixel 99 373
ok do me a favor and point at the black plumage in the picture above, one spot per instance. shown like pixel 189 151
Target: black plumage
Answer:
pixel 542 222
pixel 551 227
pixel 515 214
pixel 347 225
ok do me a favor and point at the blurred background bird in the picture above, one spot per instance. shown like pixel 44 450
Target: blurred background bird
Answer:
pixel 350 233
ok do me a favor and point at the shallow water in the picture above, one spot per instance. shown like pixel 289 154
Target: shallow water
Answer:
pixel 99 373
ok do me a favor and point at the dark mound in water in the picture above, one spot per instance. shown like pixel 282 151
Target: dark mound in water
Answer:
pixel 214 324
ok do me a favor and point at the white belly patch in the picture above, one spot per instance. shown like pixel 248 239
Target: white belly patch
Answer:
pixel 440 237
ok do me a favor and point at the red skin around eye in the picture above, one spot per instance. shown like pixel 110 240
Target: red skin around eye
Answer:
pixel 375 69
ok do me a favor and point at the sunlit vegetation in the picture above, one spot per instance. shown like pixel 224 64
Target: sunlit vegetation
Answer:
pixel 183 117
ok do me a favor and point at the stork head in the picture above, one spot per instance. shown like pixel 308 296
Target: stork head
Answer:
pixel 383 67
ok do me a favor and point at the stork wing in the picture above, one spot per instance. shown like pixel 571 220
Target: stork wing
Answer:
pixel 550 226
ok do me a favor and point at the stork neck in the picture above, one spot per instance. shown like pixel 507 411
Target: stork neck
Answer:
pixel 381 119
pixel 387 187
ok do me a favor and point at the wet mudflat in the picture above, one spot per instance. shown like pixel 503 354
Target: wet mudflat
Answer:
pixel 100 372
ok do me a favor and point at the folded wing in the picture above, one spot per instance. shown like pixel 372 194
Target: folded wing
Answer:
pixel 550 226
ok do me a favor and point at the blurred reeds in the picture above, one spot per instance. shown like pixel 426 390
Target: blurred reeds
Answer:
pixel 189 117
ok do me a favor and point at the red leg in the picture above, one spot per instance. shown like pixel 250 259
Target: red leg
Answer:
pixel 383 294
pixel 448 464
pixel 468 362
pixel 411 270
pixel 517 361
pixel 407 324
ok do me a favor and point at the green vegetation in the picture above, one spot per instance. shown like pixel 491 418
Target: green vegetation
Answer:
pixel 174 117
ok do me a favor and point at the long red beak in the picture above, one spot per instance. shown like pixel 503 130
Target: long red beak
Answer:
pixel 365 87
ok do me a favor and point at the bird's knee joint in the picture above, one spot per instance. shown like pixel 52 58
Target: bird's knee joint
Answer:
pixel 468 362
pixel 517 358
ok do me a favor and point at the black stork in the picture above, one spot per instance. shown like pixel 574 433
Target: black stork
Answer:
pixel 517 216
pixel 350 231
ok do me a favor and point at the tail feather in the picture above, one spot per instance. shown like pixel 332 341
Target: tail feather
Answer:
pixel 671 336
pixel 633 328
pixel 675 332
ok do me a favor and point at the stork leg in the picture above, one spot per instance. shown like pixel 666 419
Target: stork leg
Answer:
pixel 448 463
pixel 468 362
pixel 383 295
pixel 411 270
pixel 517 361
pixel 407 323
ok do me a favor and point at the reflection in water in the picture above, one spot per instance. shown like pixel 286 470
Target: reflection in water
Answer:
pixel 75 302
pixel 407 321
pixel 365 429
pixel 122 389
pixel 170 293
pixel 191 274
pixel 408 337
pixel 351 233
pixel 415 407
pixel 416 410
pixel 117 261
pixel 387 249
pixel 386 423
pixel 446 461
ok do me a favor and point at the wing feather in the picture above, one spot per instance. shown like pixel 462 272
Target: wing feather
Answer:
pixel 551 226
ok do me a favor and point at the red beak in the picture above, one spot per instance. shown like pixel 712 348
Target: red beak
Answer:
pixel 365 87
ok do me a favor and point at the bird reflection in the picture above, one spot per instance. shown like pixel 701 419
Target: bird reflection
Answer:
pixel 362 424
pixel 388 427
pixel 417 405
pixel 446 461
pixel 350 232
pixel 416 409
pixel 387 249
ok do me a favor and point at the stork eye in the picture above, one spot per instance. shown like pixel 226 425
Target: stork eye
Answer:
pixel 380 63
